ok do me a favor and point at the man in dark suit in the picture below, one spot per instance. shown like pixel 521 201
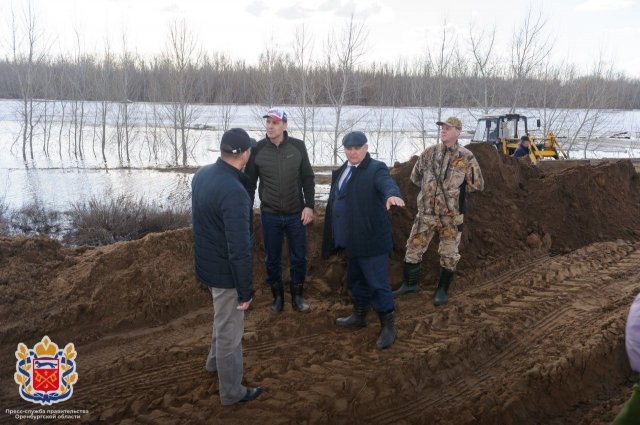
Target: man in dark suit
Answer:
pixel 356 220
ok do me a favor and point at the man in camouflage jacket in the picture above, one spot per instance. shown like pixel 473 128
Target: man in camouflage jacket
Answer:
pixel 444 173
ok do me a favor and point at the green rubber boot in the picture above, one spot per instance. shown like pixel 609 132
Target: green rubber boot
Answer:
pixel 630 413
pixel 411 276
pixel 442 292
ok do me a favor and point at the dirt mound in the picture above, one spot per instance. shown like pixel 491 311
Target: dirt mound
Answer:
pixel 525 210
pixel 522 321
pixel 82 293
pixel 569 207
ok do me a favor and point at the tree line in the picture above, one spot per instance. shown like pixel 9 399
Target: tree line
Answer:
pixel 452 74
pixel 275 80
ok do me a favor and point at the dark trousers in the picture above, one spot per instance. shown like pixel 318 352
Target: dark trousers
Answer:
pixel 369 282
pixel 274 229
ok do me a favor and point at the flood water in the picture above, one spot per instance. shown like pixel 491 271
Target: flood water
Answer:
pixel 57 189
pixel 59 179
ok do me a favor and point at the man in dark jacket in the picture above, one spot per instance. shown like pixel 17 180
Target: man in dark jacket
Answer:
pixel 524 148
pixel 287 191
pixel 221 210
pixel 356 220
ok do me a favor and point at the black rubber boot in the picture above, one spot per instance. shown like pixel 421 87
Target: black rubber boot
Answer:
pixel 442 292
pixel 297 300
pixel 410 278
pixel 357 319
pixel 278 297
pixel 388 330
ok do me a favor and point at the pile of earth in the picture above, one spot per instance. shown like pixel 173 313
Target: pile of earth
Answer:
pixel 522 213
pixel 524 210
pixel 526 215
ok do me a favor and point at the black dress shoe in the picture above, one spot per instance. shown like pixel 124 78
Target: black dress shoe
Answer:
pixel 252 394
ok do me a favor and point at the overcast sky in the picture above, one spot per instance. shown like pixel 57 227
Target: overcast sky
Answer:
pixel 581 30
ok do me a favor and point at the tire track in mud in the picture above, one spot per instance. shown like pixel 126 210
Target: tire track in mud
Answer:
pixel 325 369
pixel 482 374
pixel 186 368
pixel 147 382
pixel 505 276
pixel 486 371
pixel 549 318
pixel 131 380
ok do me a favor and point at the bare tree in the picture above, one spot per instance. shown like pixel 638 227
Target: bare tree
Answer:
pixel 104 95
pixel 269 83
pixel 302 87
pixel 153 133
pixel 183 54
pixel 485 67
pixel 228 108
pixel 393 119
pixel 552 100
pixel 125 125
pixel 529 49
pixel 28 49
pixel 386 115
pixel 375 130
pixel 594 89
pixel 421 117
pixel 47 110
pixel 78 98
pixel 342 55
pixel 63 109
pixel 227 113
pixel 442 65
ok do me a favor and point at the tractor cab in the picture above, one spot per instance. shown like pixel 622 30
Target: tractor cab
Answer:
pixel 505 131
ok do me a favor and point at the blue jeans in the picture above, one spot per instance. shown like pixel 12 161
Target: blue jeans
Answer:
pixel 369 282
pixel 274 229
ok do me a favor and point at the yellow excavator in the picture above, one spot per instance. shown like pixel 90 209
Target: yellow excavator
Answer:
pixel 505 131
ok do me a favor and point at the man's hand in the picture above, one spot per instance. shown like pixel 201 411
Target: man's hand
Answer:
pixel 394 200
pixel 307 216
pixel 244 306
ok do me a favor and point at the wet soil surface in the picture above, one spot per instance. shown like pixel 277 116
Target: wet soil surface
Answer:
pixel 533 333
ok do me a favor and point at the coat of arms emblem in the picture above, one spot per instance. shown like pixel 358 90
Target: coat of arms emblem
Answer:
pixel 46 374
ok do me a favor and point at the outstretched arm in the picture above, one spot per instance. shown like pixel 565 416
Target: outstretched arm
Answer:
pixel 394 201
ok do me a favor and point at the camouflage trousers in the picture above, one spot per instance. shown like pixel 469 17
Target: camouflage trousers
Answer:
pixel 449 231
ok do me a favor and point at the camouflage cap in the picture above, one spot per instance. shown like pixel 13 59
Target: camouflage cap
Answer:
pixel 451 121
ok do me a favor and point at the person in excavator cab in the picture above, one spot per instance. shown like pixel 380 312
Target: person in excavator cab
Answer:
pixel 525 147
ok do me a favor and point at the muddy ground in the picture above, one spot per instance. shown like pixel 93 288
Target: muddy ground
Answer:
pixel 533 334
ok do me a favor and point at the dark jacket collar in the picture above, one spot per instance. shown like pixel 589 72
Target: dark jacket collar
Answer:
pixel 365 162
pixel 284 139
pixel 363 165
pixel 228 168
